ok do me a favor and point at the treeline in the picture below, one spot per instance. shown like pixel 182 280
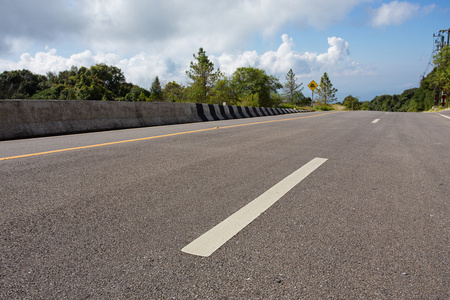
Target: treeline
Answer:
pixel 246 86
pixel 411 100
pixel 99 82
pixel 423 97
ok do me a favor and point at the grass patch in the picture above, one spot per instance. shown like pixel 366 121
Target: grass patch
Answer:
pixel 324 107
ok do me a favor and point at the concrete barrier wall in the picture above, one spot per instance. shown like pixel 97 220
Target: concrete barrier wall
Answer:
pixel 32 118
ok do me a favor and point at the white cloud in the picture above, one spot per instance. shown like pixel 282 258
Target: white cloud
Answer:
pixel 133 26
pixel 143 67
pixel 394 13
pixel 43 62
pixel 148 38
pixel 335 61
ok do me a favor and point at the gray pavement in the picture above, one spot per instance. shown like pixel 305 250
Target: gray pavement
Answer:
pixel 109 222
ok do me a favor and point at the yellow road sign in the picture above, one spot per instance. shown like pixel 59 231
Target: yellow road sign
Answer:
pixel 312 85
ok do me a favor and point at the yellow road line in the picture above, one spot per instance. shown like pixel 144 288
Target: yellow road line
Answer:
pixel 101 145
pixel 151 137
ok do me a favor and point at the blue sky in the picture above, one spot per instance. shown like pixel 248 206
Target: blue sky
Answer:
pixel 367 47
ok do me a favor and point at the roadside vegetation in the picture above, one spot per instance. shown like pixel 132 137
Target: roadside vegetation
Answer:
pixel 247 86
pixel 423 97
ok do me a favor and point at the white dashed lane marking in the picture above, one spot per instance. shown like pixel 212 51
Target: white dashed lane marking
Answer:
pixel 444 116
pixel 206 244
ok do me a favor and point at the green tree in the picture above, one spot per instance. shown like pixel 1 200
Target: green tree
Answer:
pixel 276 99
pixel 203 77
pixel 20 84
pixel 292 90
pixel 110 77
pixel 90 87
pixel 156 90
pixel 365 105
pixel 137 94
pixel 351 103
pixel 173 92
pixel 441 77
pixel 325 91
pixel 99 82
pixel 247 82
pixel 223 92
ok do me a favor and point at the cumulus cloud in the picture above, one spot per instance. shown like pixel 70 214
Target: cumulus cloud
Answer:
pixel 50 61
pixel 148 38
pixel 140 69
pixel 143 67
pixel 131 26
pixel 396 13
pixel 336 60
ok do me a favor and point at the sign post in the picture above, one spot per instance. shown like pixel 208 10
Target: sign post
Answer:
pixel 312 85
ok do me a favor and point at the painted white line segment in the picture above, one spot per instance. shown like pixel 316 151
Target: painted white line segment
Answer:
pixel 444 116
pixel 209 242
pixel 375 121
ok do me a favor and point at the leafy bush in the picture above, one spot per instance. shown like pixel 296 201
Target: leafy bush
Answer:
pixel 288 106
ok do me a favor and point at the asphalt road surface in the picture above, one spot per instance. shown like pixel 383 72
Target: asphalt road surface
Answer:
pixel 106 215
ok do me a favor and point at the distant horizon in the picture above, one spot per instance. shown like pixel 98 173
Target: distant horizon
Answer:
pixel 368 48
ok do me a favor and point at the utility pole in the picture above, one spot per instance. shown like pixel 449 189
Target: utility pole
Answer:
pixel 440 39
pixel 436 96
